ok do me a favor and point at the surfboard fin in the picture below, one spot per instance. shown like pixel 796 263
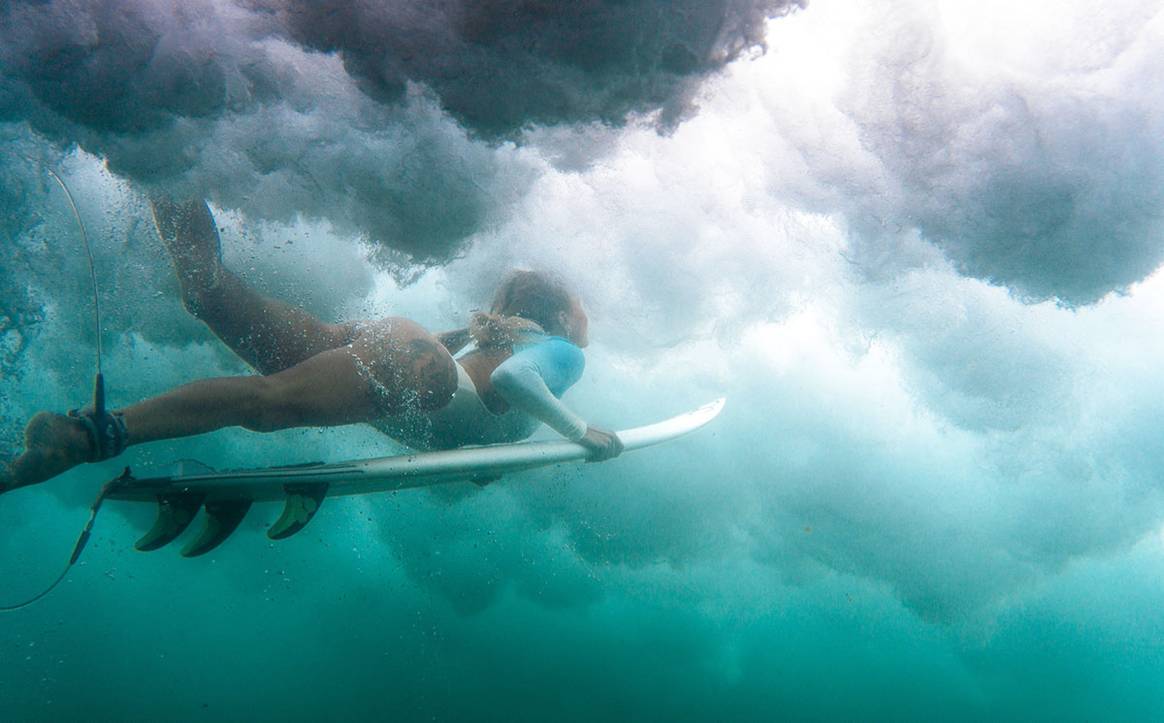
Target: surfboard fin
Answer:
pixel 175 513
pixel 222 518
pixel 303 501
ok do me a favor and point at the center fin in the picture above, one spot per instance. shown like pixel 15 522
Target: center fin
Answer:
pixel 222 518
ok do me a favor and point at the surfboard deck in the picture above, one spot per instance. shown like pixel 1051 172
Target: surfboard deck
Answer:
pixel 227 495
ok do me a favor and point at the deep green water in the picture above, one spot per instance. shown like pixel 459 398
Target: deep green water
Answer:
pixel 916 247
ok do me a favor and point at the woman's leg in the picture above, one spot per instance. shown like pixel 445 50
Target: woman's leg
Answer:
pixel 327 390
pixel 268 334
pixel 392 365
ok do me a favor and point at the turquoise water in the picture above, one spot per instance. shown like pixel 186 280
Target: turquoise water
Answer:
pixel 915 247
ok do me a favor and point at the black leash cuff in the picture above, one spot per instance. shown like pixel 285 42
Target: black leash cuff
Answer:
pixel 107 433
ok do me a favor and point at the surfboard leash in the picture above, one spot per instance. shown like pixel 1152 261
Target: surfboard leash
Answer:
pixel 78 548
pixel 98 404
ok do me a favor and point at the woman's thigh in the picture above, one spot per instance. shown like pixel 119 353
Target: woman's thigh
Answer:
pixel 328 389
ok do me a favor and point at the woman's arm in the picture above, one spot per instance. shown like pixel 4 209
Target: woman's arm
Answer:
pixel 454 340
pixel 521 381
pixel 525 380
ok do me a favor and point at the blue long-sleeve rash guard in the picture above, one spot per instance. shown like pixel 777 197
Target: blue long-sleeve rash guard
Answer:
pixel 538 373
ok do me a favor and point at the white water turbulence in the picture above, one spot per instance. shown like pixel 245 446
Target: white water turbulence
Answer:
pixel 916 245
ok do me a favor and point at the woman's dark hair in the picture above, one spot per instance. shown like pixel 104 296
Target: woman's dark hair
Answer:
pixel 536 296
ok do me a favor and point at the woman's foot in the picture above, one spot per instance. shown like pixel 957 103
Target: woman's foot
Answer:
pixel 53 444
pixel 187 229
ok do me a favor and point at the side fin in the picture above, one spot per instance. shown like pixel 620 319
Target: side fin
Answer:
pixel 303 501
pixel 222 518
pixel 175 512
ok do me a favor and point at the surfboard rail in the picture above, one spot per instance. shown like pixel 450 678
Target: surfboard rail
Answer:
pixel 227 495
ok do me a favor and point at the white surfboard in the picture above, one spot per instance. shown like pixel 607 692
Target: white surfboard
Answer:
pixel 227 495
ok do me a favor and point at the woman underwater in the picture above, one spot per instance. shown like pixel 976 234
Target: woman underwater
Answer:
pixel 390 373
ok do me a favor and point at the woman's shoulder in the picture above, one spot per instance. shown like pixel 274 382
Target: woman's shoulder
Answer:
pixel 562 356
pixel 555 344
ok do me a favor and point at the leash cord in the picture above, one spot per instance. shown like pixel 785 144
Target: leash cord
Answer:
pixel 98 402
